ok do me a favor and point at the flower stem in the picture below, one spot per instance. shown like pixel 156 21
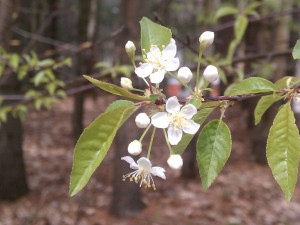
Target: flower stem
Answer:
pixel 183 84
pixel 145 132
pixel 198 69
pixel 151 142
pixel 167 140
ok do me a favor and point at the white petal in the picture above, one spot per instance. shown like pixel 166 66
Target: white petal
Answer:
pixel 172 65
pixel 190 127
pixel 131 161
pixel 158 171
pixel 188 111
pixel 174 135
pixel 172 105
pixel 144 163
pixel 157 76
pixel 154 54
pixel 160 120
pixel 144 70
pixel 169 52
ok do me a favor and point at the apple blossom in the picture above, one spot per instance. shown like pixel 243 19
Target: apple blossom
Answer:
pixel 126 83
pixel 142 120
pixel 135 147
pixel 211 73
pixel 143 171
pixel 176 120
pixel 184 74
pixel 158 63
pixel 175 161
pixel 206 39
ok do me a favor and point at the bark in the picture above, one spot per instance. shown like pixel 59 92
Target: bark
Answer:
pixel 126 200
pixel 13 182
pixel 189 169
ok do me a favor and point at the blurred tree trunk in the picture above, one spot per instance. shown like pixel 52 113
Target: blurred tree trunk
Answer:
pixel 273 36
pixel 126 200
pixel 12 170
pixel 87 32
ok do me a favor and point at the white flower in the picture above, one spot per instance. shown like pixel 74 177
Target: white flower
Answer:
pixel 211 73
pixel 184 74
pixel 176 120
pixel 142 120
pixel 126 83
pixel 130 49
pixel 206 39
pixel 135 147
pixel 175 161
pixel 143 171
pixel 158 63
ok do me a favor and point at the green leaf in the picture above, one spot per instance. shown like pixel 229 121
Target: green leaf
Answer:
pixel 117 104
pixel 196 102
pixel 287 82
pixel 296 50
pixel 93 145
pixel 199 118
pixel 283 149
pixel 252 85
pixel 213 150
pixel 263 104
pixel 226 11
pixel 240 26
pixel 153 34
pixel 116 90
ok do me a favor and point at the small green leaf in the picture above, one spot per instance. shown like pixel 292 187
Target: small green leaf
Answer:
pixel 252 85
pixel 14 61
pixel 113 89
pixel 199 118
pixel 93 145
pixel 118 103
pixel 296 50
pixel 226 11
pixel 287 82
pixel 240 26
pixel 196 102
pixel 153 97
pixel 283 150
pixel 263 104
pixel 153 34
pixel 213 150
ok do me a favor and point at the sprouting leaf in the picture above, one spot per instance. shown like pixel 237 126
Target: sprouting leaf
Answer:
pixel 263 104
pixel 296 50
pixel 153 34
pixel 199 118
pixel 113 89
pixel 240 26
pixel 287 82
pixel 94 143
pixel 252 85
pixel 226 11
pixel 118 103
pixel 213 150
pixel 283 150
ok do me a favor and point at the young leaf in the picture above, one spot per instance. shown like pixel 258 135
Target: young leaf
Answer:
pixel 93 145
pixel 114 89
pixel 287 82
pixel 117 104
pixel 283 150
pixel 263 104
pixel 296 50
pixel 225 11
pixel 213 150
pixel 252 85
pixel 199 118
pixel 153 34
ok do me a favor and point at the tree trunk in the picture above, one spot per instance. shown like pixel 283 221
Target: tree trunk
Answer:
pixel 126 199
pixel 12 170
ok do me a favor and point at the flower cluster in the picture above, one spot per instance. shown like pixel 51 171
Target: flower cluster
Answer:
pixel 175 118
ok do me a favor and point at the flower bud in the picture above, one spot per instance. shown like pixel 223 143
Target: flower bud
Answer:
pixel 184 74
pixel 126 83
pixel 130 49
pixel 206 39
pixel 142 120
pixel 211 73
pixel 175 161
pixel 135 147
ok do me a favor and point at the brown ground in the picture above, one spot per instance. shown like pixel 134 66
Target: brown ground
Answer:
pixel 244 194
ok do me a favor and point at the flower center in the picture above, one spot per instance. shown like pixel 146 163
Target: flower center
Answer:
pixel 142 176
